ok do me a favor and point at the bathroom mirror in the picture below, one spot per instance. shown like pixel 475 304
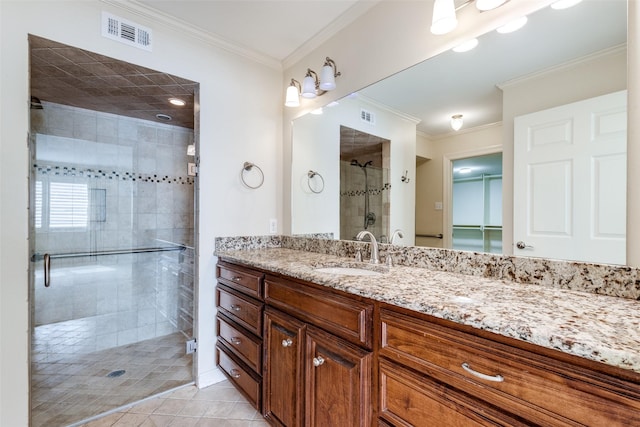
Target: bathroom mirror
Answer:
pixel 413 108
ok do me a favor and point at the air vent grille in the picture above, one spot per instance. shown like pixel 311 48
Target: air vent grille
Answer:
pixel 116 28
pixel 367 117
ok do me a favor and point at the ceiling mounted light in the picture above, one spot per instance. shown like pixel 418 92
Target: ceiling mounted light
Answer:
pixel 466 46
pixel 312 86
pixel 177 102
pixel 456 122
pixel 444 17
pixel 484 5
pixel 293 94
pixel 512 26
pixel 564 4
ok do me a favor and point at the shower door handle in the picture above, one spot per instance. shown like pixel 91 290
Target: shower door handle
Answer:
pixel 47 270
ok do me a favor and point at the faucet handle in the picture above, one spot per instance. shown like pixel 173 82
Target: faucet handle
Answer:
pixel 389 259
pixel 359 255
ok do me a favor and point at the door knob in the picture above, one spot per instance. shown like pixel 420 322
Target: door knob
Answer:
pixel 523 245
pixel 318 361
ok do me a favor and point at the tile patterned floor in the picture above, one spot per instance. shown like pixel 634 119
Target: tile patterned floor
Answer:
pixel 68 388
pixel 219 405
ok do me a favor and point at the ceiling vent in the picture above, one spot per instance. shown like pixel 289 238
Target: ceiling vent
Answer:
pixel 367 117
pixel 124 31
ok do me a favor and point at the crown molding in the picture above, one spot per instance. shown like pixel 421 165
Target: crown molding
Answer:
pixel 168 21
pixel 350 15
pixel 622 48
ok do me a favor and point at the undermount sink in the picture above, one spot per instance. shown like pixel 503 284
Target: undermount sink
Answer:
pixel 348 271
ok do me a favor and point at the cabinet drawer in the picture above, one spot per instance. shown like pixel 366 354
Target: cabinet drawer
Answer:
pixel 242 377
pixel 241 342
pixel 407 399
pixel 538 388
pixel 345 317
pixel 242 279
pixel 246 311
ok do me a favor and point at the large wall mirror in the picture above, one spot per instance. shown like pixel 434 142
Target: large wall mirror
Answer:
pixel 559 58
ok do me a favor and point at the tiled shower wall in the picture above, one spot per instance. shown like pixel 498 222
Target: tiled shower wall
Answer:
pixel 139 197
pixel 352 200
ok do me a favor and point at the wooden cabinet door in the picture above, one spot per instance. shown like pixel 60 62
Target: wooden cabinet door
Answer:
pixel 338 382
pixel 283 376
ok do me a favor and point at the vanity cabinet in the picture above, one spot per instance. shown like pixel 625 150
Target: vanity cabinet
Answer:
pixel 318 359
pixel 239 297
pixel 430 371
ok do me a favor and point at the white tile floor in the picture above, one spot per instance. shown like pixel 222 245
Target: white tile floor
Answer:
pixel 219 405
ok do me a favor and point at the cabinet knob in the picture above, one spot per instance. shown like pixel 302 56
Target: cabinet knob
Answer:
pixel 236 278
pixel 235 307
pixel 317 361
pixel 235 373
pixel 287 342
pixel 523 245
pixel 235 340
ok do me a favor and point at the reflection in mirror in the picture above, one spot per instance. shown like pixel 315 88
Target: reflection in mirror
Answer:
pixel 558 58
pixel 364 186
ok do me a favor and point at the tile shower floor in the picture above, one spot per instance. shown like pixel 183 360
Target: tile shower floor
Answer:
pixel 70 383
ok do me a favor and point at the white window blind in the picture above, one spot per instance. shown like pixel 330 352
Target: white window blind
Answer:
pixel 38 205
pixel 68 205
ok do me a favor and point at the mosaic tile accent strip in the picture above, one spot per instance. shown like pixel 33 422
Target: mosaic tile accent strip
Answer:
pixel 601 279
pixel 372 191
pixel 72 171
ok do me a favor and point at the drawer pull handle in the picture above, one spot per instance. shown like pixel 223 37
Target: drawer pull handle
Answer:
pixel 236 278
pixel 317 361
pixel 287 342
pixel 235 307
pixel 494 378
pixel 235 341
pixel 235 373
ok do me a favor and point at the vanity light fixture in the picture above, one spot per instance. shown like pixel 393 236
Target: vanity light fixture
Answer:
pixel 466 46
pixel 444 17
pixel 293 94
pixel 456 122
pixel 313 86
pixel 512 26
pixel 564 4
pixel 177 102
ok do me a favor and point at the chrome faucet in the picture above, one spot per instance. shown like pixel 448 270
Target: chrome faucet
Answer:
pixel 397 233
pixel 375 258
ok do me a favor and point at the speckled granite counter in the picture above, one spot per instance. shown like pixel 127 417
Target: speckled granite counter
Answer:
pixel 601 328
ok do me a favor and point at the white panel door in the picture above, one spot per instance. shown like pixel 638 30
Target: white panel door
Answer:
pixel 570 181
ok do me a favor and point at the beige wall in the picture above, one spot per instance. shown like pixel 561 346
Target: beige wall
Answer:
pixel 241 118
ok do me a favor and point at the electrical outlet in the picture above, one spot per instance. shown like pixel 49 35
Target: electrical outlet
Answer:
pixel 191 346
pixel 438 206
pixel 273 226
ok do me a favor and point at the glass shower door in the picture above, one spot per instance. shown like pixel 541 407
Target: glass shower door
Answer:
pixel 112 261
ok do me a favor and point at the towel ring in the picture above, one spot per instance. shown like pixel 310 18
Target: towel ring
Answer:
pixel 311 174
pixel 246 168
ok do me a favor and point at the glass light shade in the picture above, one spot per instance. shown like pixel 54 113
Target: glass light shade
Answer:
pixel 456 122
pixel 512 26
pixel 309 87
pixel 564 4
pixel 292 99
pixel 327 78
pixel 489 4
pixel 444 17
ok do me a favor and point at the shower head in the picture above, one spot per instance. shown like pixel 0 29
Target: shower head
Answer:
pixel 369 163
pixel 354 162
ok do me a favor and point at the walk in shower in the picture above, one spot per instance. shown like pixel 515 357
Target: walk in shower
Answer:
pixel 112 240
pixel 364 184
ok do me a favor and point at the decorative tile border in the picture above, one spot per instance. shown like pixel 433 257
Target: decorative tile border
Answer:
pixel 72 171
pixel 602 279
pixel 372 191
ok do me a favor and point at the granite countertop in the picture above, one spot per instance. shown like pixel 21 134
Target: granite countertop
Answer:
pixel 601 328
